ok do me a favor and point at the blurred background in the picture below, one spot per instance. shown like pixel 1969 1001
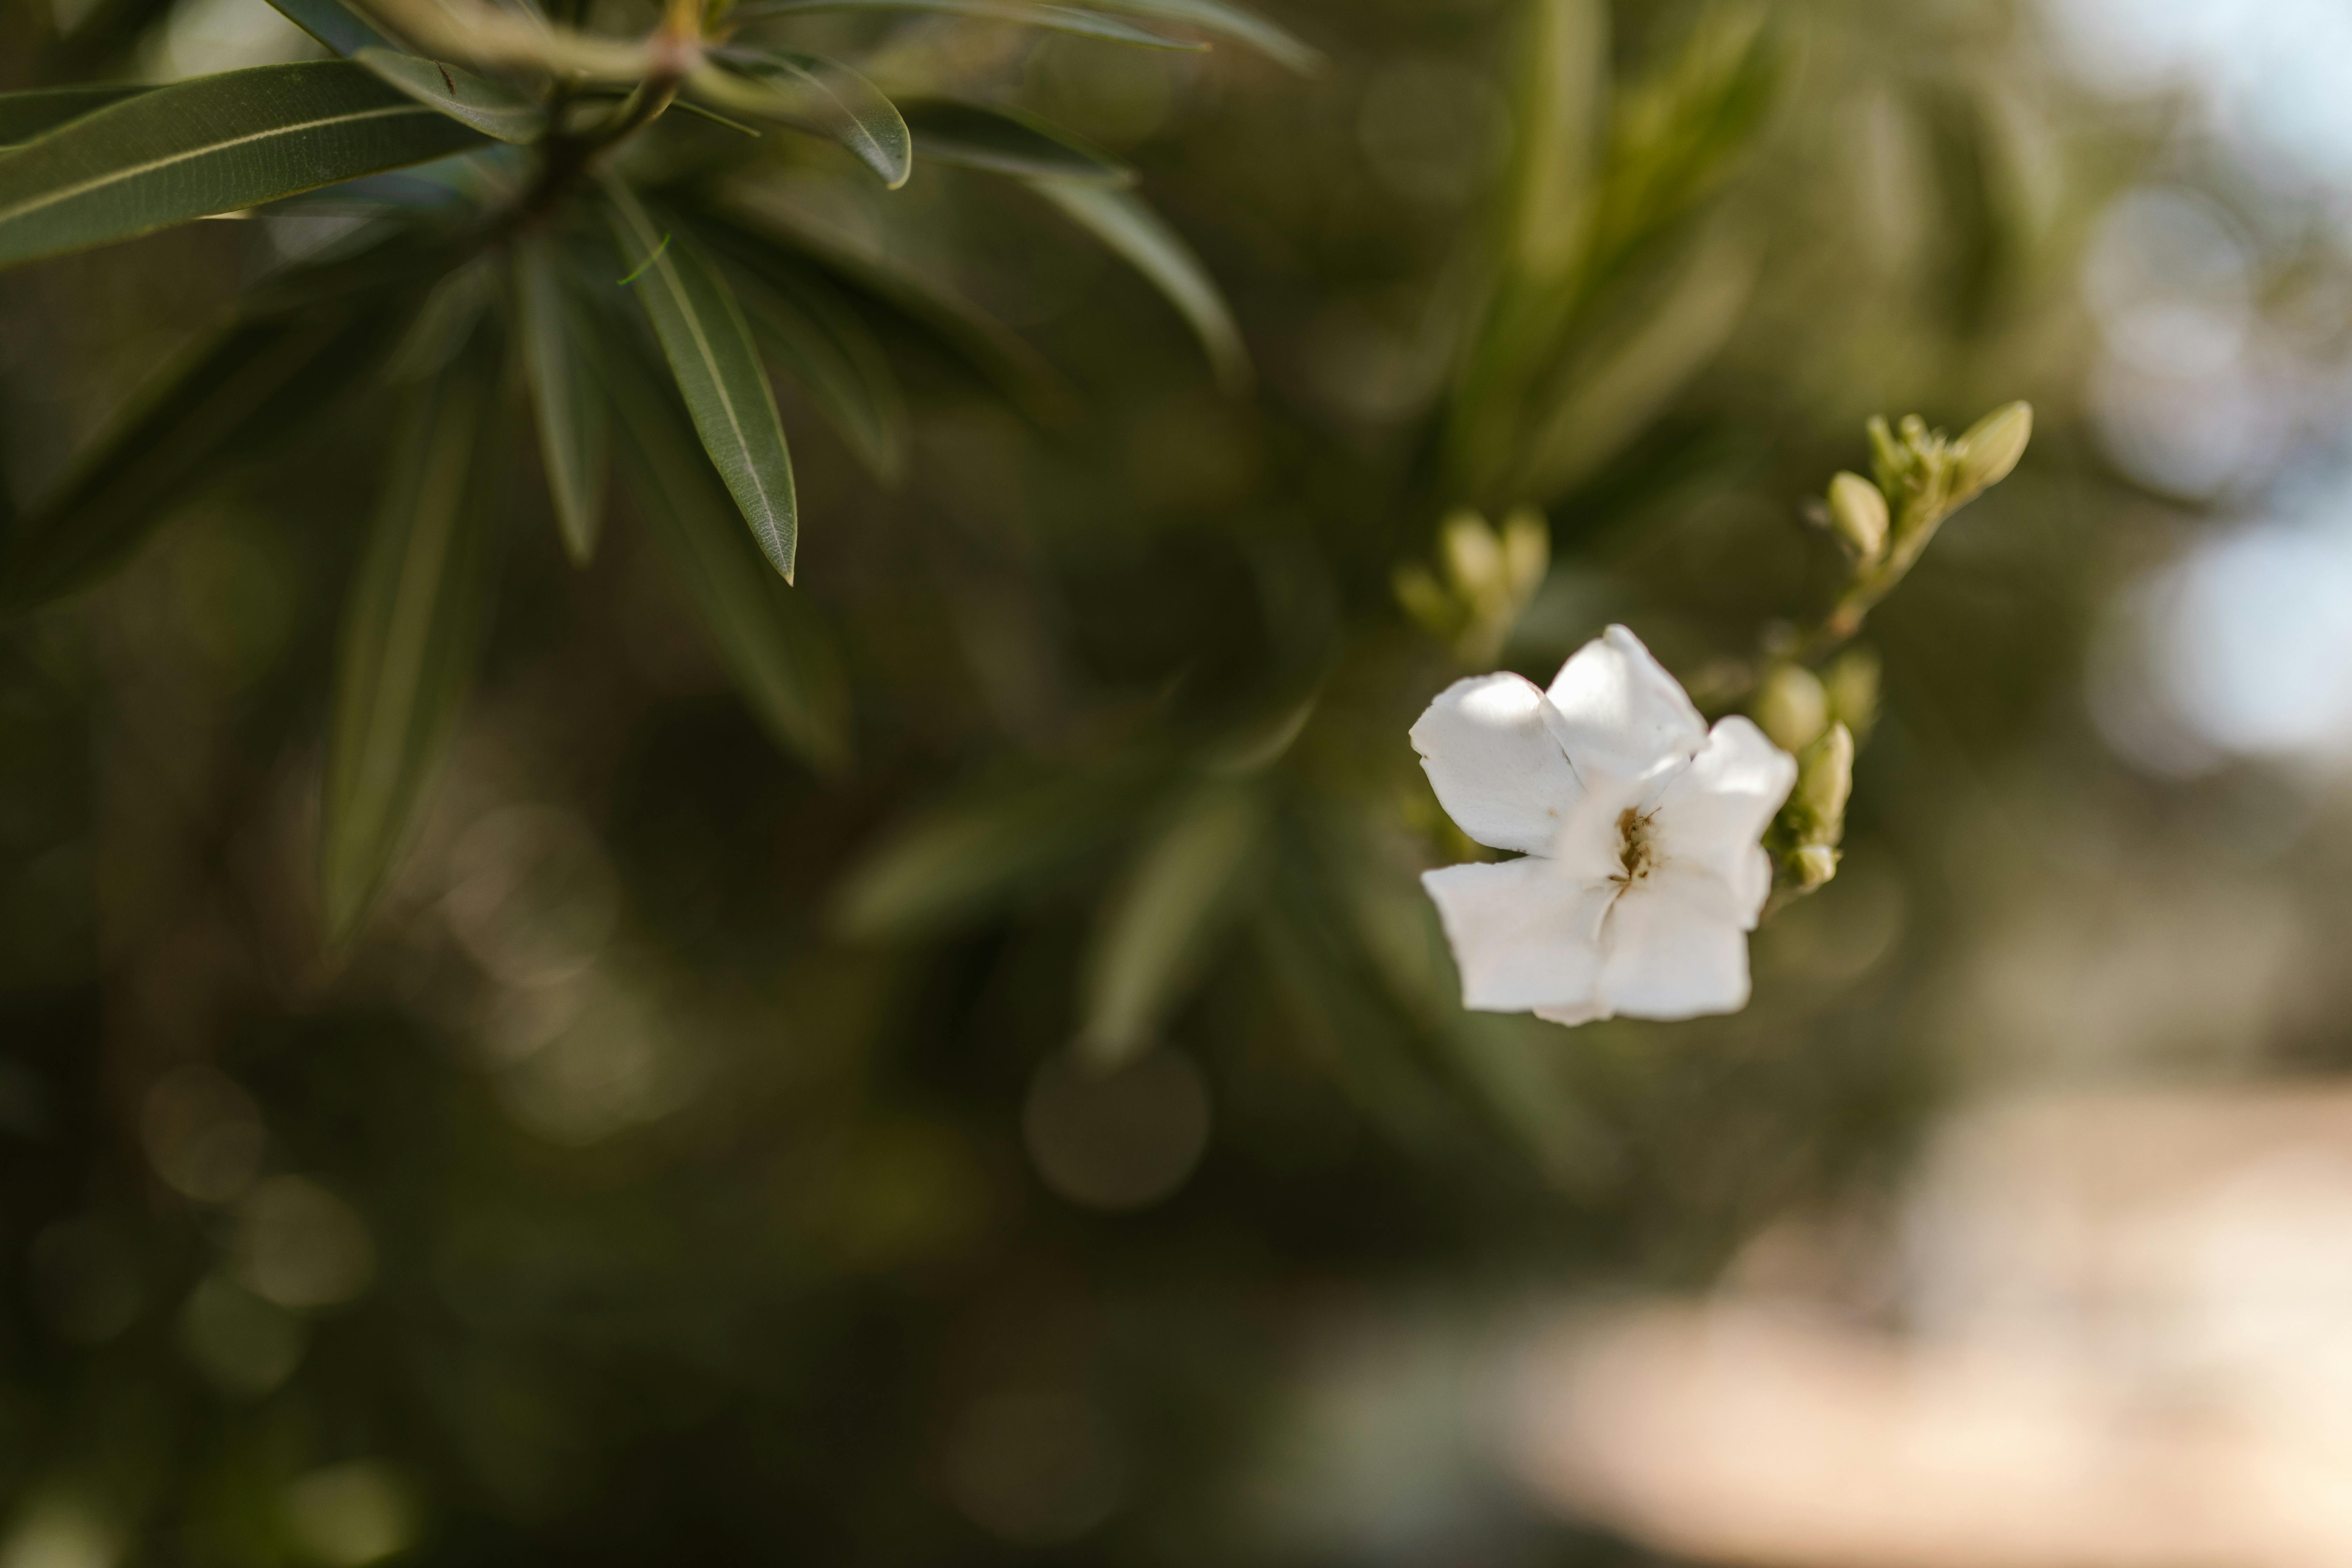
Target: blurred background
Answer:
pixel 694 1162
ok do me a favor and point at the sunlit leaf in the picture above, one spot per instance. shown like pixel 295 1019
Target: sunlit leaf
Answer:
pixel 813 94
pixel 25 115
pixel 1121 221
pixel 770 637
pixel 971 856
pixel 213 145
pixel 1004 142
pixel 565 398
pixel 717 365
pixel 1171 903
pixel 236 396
pixel 410 634
pixel 830 355
pixel 489 107
pixel 1056 18
pixel 1223 20
pixel 335 24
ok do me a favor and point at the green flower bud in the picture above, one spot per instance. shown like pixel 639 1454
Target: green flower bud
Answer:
pixel 1474 556
pixel 1858 513
pixel 1990 449
pixel 1824 784
pixel 1812 867
pixel 1526 551
pixel 1852 683
pixel 1791 707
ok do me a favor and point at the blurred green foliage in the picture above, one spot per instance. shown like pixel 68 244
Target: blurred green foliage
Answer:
pixel 704 1155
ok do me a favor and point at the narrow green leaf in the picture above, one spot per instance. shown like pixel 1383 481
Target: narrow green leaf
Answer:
pixel 1122 222
pixel 1610 394
pixel 1563 82
pixel 776 244
pixel 236 396
pixel 410 635
pixel 25 115
pixel 717 365
pixel 492 108
pixel 971 856
pixel 769 637
pixel 1221 19
pixel 212 144
pixel 1004 142
pixel 1175 899
pixel 334 24
pixel 570 409
pixel 831 356
pixel 812 93
pixel 1055 19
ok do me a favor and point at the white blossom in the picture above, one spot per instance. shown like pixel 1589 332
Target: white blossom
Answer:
pixel 1642 872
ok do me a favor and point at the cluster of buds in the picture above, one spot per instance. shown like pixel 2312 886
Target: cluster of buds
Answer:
pixel 1483 581
pixel 1821 720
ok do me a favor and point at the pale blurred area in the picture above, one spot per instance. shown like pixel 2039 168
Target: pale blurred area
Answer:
pixel 2111 1330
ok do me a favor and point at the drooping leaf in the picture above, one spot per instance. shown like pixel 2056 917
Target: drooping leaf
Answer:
pixel 249 388
pixel 1004 142
pixel 1221 19
pixel 1074 19
pixel 1173 902
pixel 335 24
pixel 717 370
pixel 445 322
pixel 492 108
pixel 971 856
pixel 212 144
pixel 410 634
pixel 834 361
pixel 1124 223
pixel 565 398
pixel 25 115
pixel 812 93
pixel 769 637
pixel 776 244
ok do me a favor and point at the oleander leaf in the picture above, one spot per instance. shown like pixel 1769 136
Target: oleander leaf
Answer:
pixel 1143 238
pixel 716 367
pixel 335 24
pixel 1175 899
pixel 1223 20
pixel 769 637
pixel 492 108
pixel 411 633
pixel 1004 142
pixel 211 144
pixel 566 400
pixel 834 361
pixel 245 391
pixel 812 93
pixel 1072 19
pixel 26 115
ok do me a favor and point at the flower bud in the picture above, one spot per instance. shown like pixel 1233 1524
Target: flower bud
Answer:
pixel 1992 447
pixel 1472 555
pixel 1791 707
pixel 1852 683
pixel 1858 514
pixel 1812 867
pixel 1526 551
pixel 1824 784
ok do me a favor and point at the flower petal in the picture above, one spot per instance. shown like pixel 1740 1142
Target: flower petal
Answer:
pixel 1625 713
pixel 1670 954
pixel 1524 935
pixel 1492 749
pixel 1709 816
pixel 1591 1012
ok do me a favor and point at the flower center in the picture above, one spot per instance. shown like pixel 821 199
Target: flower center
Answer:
pixel 1635 850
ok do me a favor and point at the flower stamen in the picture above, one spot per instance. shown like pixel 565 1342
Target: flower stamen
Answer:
pixel 1635 850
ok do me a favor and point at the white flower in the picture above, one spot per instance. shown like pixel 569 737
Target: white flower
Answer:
pixel 1642 873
